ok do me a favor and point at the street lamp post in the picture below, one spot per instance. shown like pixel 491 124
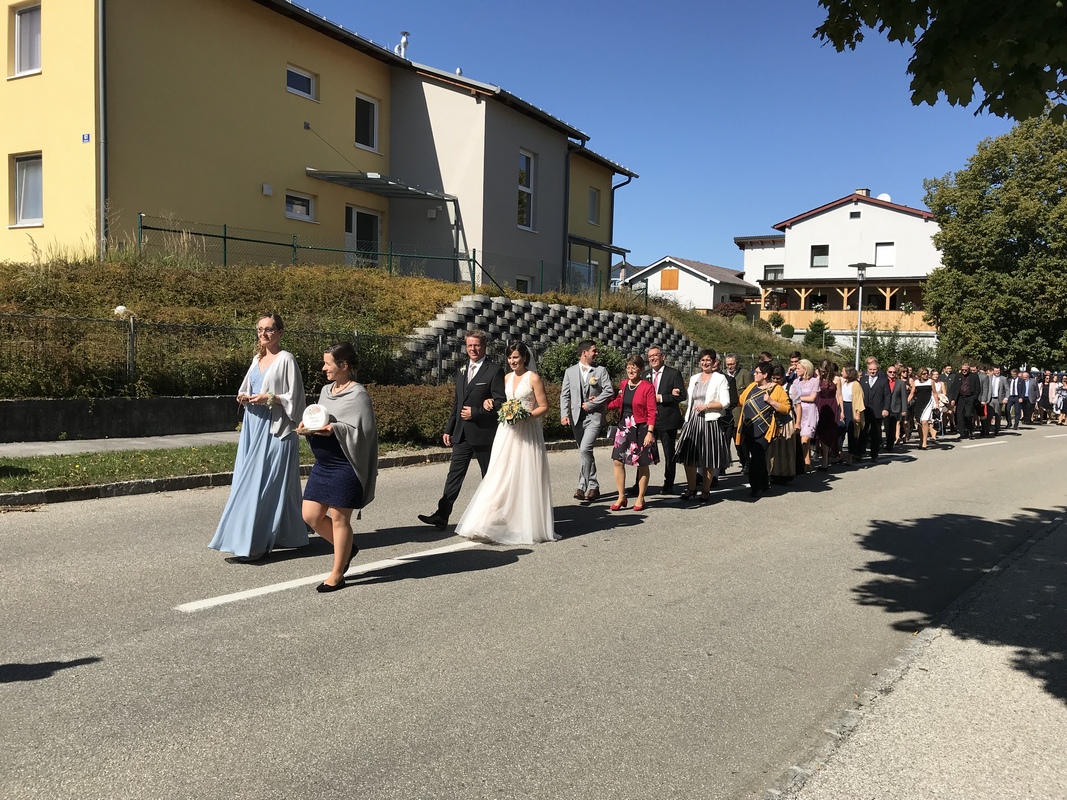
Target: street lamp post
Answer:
pixel 861 274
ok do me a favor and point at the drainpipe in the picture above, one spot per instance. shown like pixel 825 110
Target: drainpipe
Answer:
pixel 611 223
pixel 566 216
pixel 101 93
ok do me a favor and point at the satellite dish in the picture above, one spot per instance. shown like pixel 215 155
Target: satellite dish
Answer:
pixel 886 197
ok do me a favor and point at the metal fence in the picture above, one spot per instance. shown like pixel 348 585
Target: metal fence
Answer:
pixel 200 242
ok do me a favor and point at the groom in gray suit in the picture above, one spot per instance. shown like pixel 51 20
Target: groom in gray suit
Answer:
pixel 585 394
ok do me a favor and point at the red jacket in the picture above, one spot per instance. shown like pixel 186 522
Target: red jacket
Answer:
pixel 644 402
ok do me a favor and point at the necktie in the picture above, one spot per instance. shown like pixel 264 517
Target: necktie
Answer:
pixel 655 380
pixel 473 368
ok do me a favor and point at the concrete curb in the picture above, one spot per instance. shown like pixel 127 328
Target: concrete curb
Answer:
pixel 67 494
pixel 792 781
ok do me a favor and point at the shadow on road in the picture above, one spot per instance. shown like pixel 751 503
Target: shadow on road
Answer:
pixel 14 673
pixel 928 563
pixel 441 564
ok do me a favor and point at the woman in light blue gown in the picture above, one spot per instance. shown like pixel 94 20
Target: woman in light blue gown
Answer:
pixel 263 511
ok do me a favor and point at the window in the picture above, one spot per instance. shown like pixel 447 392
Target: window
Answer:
pixel 594 206
pixel 526 190
pixel 885 254
pixel 522 283
pixel 28 40
pixel 366 122
pixel 300 82
pixel 820 255
pixel 29 198
pixel 300 206
pixel 853 214
pixel 773 272
pixel 668 279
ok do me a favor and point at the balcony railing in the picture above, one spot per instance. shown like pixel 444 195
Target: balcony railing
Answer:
pixel 846 320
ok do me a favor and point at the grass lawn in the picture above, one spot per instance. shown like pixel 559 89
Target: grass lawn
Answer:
pixel 87 469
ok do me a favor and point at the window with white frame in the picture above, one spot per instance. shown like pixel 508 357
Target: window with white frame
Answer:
pixel 29 190
pixel 366 122
pixel 301 82
pixel 527 165
pixel 299 206
pixel 594 206
pixel 885 254
pixel 28 40
pixel 820 255
pixel 773 272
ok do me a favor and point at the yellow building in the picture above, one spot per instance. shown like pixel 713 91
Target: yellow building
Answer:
pixel 259 120
pixel 591 217
pixel 211 108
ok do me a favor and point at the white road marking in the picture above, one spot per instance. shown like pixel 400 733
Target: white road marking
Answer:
pixel 374 566
pixel 1056 435
pixel 981 444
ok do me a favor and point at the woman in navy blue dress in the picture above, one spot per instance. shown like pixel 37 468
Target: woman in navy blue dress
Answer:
pixel 346 461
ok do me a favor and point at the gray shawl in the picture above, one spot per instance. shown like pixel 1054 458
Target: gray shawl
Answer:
pixel 283 378
pixel 352 417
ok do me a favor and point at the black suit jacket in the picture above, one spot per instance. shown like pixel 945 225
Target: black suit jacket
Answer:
pixel 480 429
pixel 974 383
pixel 668 415
pixel 876 398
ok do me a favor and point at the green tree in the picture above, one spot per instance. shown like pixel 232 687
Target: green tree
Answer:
pixel 1001 291
pixel 1012 55
pixel 818 336
pixel 776 320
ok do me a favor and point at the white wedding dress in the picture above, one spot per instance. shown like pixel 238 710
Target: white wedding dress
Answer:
pixel 513 503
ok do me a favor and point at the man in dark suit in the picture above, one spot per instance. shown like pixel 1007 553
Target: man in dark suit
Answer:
pixel 670 391
pixel 471 428
pixel 739 378
pixel 964 394
pixel 1017 393
pixel 876 399
pixel 898 406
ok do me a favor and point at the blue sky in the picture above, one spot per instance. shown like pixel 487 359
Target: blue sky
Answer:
pixel 732 114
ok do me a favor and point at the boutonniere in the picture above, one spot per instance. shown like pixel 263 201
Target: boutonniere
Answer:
pixel 592 380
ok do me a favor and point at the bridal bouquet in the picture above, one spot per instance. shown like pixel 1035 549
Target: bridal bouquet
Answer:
pixel 511 412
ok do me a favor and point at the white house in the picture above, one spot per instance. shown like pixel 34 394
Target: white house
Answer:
pixel 693 284
pixel 806 268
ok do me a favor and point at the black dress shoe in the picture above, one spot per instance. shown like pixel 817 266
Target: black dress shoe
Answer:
pixel 436 520
pixel 324 587
pixel 668 488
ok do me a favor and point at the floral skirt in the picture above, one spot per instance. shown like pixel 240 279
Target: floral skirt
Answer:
pixel 629 447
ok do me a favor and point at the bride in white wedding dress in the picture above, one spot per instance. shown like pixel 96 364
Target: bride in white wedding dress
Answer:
pixel 513 503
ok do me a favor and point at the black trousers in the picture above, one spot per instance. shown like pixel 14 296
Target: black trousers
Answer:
pixel 890 424
pixel 758 477
pixel 668 441
pixel 462 453
pixel 872 432
pixel 965 406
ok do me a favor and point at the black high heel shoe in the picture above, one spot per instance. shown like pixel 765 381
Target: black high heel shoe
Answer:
pixel 325 587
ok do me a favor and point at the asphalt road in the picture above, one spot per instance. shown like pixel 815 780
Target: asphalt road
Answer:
pixel 684 652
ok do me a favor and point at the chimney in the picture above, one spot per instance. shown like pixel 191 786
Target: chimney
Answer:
pixel 863 192
pixel 402 48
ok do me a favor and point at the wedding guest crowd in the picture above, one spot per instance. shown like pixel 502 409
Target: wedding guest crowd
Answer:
pixel 774 415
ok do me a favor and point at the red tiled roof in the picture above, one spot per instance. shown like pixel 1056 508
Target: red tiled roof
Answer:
pixel 854 198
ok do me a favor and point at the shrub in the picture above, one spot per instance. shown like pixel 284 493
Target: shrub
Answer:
pixel 739 319
pixel 817 335
pixel 730 310
pixel 762 325
pixel 556 359
pixel 787 331
pixel 776 320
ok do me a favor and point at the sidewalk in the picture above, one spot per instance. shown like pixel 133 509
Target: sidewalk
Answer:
pixel 979 706
pixel 74 447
